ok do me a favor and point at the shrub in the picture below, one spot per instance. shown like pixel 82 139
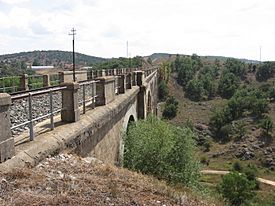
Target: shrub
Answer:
pixel 225 132
pixel 157 148
pixel 265 71
pixel 162 90
pixel 228 84
pixel 236 189
pixel 194 90
pixel 267 125
pixel 237 166
pixel 171 108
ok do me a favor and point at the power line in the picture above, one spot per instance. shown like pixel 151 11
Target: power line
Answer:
pixel 73 34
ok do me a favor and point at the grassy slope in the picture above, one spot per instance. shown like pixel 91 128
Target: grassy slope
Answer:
pixel 200 112
pixel 71 180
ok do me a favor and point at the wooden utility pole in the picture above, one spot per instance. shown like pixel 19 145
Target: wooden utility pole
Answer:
pixel 73 34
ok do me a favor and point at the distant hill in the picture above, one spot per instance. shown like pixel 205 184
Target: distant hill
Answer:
pixel 53 57
pixel 158 57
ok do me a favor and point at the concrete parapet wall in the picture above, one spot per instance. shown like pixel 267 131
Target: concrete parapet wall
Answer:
pixel 67 76
pixel 98 132
pixel 85 137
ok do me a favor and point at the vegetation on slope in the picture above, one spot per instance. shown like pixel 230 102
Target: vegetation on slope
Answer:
pixel 71 180
pixel 155 147
pixel 232 111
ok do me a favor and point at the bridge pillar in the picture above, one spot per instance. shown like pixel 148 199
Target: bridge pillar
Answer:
pixel 46 80
pixel 70 111
pixel 6 140
pixel 24 82
pixel 141 102
pixel 105 90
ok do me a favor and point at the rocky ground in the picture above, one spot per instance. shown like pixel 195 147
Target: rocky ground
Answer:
pixel 19 112
pixel 70 180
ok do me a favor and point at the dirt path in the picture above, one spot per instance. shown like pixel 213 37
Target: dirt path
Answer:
pixel 220 172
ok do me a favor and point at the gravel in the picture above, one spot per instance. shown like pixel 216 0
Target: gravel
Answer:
pixel 19 111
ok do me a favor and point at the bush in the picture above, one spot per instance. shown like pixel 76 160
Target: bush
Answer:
pixel 171 108
pixel 267 125
pixel 162 90
pixel 236 189
pixel 157 148
pixel 265 71
pixel 228 84
pixel 194 90
pixel 237 166
pixel 225 132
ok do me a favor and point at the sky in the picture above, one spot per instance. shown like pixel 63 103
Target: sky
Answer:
pixel 233 28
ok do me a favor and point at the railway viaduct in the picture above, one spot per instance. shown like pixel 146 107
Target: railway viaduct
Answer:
pixel 96 130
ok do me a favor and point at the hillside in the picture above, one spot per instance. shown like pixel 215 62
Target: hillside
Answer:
pixel 71 180
pixel 230 106
pixel 54 57
pixel 160 57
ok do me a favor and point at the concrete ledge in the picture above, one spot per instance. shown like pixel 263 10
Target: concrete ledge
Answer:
pixel 69 136
pixel 5 99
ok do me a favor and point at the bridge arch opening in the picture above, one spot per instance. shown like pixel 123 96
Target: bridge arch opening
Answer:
pixel 131 120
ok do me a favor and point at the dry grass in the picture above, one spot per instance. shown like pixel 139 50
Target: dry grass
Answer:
pixel 70 180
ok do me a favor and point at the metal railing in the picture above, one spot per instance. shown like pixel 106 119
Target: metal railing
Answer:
pixel 31 120
pixel 54 79
pixel 9 84
pixel 85 102
pixel 35 81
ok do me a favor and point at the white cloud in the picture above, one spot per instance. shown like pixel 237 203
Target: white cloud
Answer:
pixel 215 27
pixel 14 1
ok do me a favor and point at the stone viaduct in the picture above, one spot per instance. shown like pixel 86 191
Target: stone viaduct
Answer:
pixel 122 96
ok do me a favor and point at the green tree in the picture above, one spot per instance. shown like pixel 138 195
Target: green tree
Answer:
pixel 194 90
pixel 162 90
pixel 186 71
pixel 236 67
pixel 236 189
pixel 171 108
pixel 228 84
pixel 265 71
pixel 157 148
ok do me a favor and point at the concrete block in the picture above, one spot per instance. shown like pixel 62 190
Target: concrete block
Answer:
pixel 6 141
pixel 70 111
pixel 105 89
pixel 24 82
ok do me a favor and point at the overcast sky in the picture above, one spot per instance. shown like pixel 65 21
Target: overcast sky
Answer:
pixel 235 28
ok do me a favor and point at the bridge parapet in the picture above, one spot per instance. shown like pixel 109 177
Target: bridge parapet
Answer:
pixel 106 84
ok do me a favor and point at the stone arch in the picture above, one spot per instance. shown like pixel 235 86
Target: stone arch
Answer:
pixel 129 118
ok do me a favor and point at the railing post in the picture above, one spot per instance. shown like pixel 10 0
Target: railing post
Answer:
pixel 104 72
pixel 70 111
pixel 6 140
pixel 61 77
pixel 129 81
pixel 46 80
pixel 121 84
pixel 134 78
pixel 105 89
pixel 115 72
pixel 24 82
pixel 140 78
